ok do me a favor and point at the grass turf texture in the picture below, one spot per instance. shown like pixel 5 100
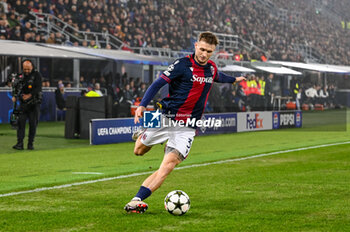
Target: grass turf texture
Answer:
pixel 299 191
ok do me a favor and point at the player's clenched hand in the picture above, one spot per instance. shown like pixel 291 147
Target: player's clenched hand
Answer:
pixel 138 113
pixel 240 79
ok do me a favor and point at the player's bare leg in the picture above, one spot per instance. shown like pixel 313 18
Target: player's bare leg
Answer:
pixel 153 182
pixel 136 205
pixel 140 149
pixel 170 161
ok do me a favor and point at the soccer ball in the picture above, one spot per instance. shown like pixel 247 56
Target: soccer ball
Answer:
pixel 177 202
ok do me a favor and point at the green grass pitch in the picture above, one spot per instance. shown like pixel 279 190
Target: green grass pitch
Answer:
pixel 305 190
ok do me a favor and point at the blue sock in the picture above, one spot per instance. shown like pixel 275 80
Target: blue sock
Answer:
pixel 143 193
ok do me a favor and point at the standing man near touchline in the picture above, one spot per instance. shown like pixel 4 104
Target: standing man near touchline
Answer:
pixel 269 94
pixel 190 80
pixel 27 90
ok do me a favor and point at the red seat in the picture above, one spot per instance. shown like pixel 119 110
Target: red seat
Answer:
pixel 305 107
pixel 291 106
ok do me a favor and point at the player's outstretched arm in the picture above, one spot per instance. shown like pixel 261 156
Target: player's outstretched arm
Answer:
pixel 149 95
pixel 238 79
pixel 223 78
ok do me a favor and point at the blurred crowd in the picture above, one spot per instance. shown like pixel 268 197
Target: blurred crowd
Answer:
pixel 318 95
pixel 170 24
pixel 263 92
pixel 317 30
pixel 127 92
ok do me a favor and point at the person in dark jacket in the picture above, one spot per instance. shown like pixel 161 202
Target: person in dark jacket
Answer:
pixel 269 94
pixel 60 102
pixel 27 89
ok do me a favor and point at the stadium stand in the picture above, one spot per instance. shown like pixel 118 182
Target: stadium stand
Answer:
pixel 279 29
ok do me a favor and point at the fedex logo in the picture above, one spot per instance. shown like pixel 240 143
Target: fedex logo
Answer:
pixel 254 122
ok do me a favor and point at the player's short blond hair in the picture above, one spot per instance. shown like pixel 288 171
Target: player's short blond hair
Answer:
pixel 208 37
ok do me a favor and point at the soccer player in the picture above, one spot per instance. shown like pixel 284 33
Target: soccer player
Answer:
pixel 190 80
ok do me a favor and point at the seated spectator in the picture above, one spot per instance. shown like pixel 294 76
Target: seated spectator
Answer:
pixel 324 95
pixel 4 7
pixel 83 93
pixel 13 21
pixel 60 103
pixel 91 93
pixel 93 44
pixel 311 95
pixel 133 88
pixel 28 37
pixel 4 30
pixel 98 89
pixel 103 82
pixel 332 93
pixel 27 28
pixel 318 97
pixel 16 33
pixel 59 39
pixel 59 96
pixel 142 90
pixel 37 39
pixel 119 33
pixel 51 39
pixel 84 44
pixel 128 94
pixel 234 102
pixel 83 83
pixel 21 7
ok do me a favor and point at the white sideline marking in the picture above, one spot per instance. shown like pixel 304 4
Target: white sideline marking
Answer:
pixel 178 168
pixel 88 173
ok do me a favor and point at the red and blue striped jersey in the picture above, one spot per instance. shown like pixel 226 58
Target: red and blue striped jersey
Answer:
pixel 189 87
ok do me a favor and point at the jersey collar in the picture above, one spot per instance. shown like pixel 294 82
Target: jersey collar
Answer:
pixel 192 56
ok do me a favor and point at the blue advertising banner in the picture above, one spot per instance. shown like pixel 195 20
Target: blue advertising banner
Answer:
pixel 48 108
pixel 275 120
pixel 228 124
pixel 298 119
pixel 117 130
pixel 286 119
pixel 6 106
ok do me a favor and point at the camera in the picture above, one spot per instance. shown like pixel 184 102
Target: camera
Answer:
pixel 17 84
pixel 14 118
